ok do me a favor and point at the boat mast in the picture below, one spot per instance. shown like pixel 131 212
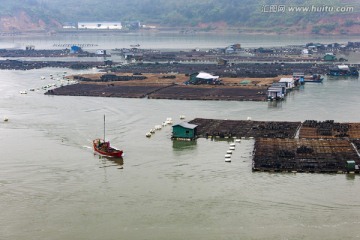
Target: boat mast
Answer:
pixel 104 127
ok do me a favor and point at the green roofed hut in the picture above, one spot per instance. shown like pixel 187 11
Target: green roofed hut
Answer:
pixel 184 131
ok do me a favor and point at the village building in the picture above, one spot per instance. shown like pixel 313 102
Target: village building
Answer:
pixel 101 52
pixel 100 25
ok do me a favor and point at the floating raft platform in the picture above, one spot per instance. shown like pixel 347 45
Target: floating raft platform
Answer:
pixel 304 155
pixel 329 130
pixel 163 91
pixel 245 128
pixel 322 147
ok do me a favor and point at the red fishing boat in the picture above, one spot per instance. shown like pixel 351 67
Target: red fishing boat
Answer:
pixel 103 147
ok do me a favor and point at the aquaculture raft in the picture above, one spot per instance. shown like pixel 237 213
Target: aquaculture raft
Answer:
pixel 196 92
pixel 303 155
pixel 245 128
pixel 329 129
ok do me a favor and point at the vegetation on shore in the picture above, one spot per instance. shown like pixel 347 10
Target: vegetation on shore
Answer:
pixel 208 15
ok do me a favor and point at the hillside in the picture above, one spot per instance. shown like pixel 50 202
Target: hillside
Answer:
pixel 295 16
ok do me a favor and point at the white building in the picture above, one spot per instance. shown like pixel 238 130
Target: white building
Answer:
pixel 100 25
pixel 305 52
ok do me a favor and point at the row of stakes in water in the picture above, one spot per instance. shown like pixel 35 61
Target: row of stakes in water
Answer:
pixel 230 151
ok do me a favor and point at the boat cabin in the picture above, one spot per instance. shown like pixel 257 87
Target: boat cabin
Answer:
pixel 343 70
pixel 299 76
pixel 184 130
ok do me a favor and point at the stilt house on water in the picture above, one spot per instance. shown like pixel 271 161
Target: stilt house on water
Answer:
pixel 184 130
pixel 290 83
pixel 276 91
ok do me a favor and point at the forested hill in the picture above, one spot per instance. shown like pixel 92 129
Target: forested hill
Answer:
pixel 334 16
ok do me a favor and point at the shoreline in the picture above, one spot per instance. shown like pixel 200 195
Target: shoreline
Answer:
pixel 179 31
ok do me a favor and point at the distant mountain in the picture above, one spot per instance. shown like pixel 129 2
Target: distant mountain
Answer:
pixel 292 16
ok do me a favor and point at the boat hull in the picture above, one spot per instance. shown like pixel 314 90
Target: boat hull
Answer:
pixel 314 81
pixel 106 150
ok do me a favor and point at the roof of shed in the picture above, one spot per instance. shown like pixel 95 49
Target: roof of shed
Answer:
pixel 286 80
pixel 186 125
pixel 205 75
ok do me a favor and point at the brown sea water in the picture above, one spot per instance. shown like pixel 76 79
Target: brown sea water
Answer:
pixel 52 186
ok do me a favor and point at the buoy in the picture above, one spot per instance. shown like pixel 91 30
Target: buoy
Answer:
pixel 168 120
pixel 227 159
